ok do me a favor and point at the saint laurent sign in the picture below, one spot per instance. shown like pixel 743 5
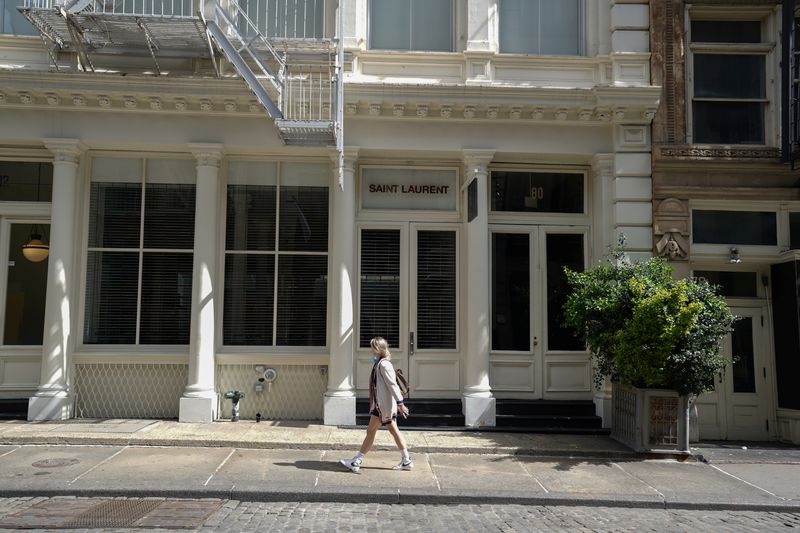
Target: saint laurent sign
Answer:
pixel 409 189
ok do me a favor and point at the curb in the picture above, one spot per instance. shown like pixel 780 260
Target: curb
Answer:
pixel 52 440
pixel 396 497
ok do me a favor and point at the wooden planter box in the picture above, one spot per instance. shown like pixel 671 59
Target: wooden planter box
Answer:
pixel 650 420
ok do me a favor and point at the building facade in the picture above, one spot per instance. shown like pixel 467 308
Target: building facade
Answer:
pixel 726 201
pixel 206 234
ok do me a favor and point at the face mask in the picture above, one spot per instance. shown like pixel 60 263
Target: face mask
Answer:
pixel 374 359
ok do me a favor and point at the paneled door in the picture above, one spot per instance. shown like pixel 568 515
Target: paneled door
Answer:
pixel 533 355
pixel 738 407
pixel 408 294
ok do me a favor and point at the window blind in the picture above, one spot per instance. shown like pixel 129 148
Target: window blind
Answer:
pixel 166 298
pixel 304 219
pixel 302 300
pixel 379 303
pixel 249 300
pixel 112 283
pixel 436 290
pixel 169 216
pixel 250 219
pixel 114 215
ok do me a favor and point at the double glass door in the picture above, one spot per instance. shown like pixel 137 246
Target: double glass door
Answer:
pixel 408 294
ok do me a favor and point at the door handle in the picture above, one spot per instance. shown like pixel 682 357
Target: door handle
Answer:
pixel 410 343
pixel 536 341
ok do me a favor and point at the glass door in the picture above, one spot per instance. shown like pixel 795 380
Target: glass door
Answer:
pixel 532 354
pixel 408 294
pixel 25 286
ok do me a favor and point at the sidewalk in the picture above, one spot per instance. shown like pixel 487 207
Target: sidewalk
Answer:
pixel 276 461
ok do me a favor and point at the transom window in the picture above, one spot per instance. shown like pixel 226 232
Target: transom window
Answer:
pixel 421 25
pixel 734 227
pixel 276 254
pixel 139 262
pixel 729 81
pixel 537 192
pixel 540 27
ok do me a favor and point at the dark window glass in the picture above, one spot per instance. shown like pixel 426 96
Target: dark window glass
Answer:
pixel 115 215
pixel 12 22
pixel 249 298
pixel 25 181
pixel 289 19
pixel 304 219
pixel 732 284
pixel 436 290
pixel 302 300
pixel 729 76
pixel 734 227
pixel 411 25
pixel 744 374
pixel 169 216
pixel 794 230
pixel 380 287
pixel 539 26
pixel 26 288
pixel 537 192
pixel 738 31
pixel 112 279
pixel 562 251
pixel 511 292
pixel 166 298
pixel 728 122
pixel 250 218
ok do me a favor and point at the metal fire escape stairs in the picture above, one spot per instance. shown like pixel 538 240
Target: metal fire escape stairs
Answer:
pixel 300 87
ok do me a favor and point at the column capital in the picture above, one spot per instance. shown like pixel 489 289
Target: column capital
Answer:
pixel 477 160
pixel 65 150
pixel 350 156
pixel 207 154
pixel 603 164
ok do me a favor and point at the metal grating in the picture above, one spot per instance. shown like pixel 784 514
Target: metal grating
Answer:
pixel 114 513
pixel 624 415
pixel 129 390
pixel 296 393
pixel 663 427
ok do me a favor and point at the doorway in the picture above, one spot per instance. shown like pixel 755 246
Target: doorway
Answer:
pixel 408 293
pixel 738 408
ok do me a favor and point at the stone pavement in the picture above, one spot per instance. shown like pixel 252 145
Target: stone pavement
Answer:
pixel 273 462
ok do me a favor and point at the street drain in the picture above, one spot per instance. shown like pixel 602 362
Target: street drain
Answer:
pixel 113 513
pixel 55 462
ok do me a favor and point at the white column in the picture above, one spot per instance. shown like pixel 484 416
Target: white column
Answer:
pixel 199 401
pixel 54 400
pixel 340 399
pixel 477 400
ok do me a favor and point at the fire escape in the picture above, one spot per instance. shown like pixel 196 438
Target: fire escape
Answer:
pixel 275 46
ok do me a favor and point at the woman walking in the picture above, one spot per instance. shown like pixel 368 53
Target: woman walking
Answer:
pixel 385 401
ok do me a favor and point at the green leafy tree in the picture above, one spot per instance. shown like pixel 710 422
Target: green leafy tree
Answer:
pixel 647 329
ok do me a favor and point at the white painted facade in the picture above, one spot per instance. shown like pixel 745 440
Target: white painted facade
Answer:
pixel 465 113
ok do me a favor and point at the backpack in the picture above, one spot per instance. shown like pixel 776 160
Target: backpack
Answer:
pixel 402 382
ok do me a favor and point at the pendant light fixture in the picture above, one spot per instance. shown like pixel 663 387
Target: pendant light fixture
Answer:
pixel 36 250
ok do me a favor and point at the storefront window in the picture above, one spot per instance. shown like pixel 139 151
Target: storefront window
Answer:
pixel 139 268
pixel 290 200
pixel 26 288
pixel 380 286
pixel 436 290
pixel 734 227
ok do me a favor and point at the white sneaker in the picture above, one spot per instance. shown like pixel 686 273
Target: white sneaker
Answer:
pixel 405 464
pixel 351 464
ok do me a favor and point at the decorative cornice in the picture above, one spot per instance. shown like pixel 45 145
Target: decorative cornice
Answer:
pixel 711 152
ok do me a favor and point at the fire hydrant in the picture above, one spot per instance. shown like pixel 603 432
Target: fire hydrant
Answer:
pixel 234 396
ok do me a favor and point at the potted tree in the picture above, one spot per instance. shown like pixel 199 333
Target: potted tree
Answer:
pixel 657 339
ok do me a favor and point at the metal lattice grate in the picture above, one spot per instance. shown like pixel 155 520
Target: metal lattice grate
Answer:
pixel 296 394
pixel 130 390
pixel 114 513
pixel 624 425
pixel 663 421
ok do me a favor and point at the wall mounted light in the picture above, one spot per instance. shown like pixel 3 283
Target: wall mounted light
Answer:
pixel 734 257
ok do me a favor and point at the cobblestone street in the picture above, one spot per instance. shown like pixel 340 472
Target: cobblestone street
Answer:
pixel 346 517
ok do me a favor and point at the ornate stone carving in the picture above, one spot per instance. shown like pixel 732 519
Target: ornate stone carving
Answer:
pixel 65 150
pixel 2 98
pixel 538 113
pixel 52 99
pixel 155 104
pixel 673 246
pixel 446 111
pixel 207 155
pixel 230 106
pixel 422 110
pixel 492 112
pixel 690 152
pixel 130 102
pixel 26 98
pixel 374 110
pixel 515 113
pixel 649 114
pixel 561 113
pixel 79 100
pixel 619 114
pixel 104 101
pixel 253 107
pixel 398 110
pixel 469 111
pixel 180 104
pixel 351 108
pixel 585 114
pixel 604 115
pixel 206 105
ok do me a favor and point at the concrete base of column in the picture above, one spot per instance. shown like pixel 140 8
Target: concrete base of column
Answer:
pixel 201 410
pixel 479 412
pixel 603 408
pixel 339 411
pixel 50 407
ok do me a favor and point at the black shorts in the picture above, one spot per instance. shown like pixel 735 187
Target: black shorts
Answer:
pixel 377 413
